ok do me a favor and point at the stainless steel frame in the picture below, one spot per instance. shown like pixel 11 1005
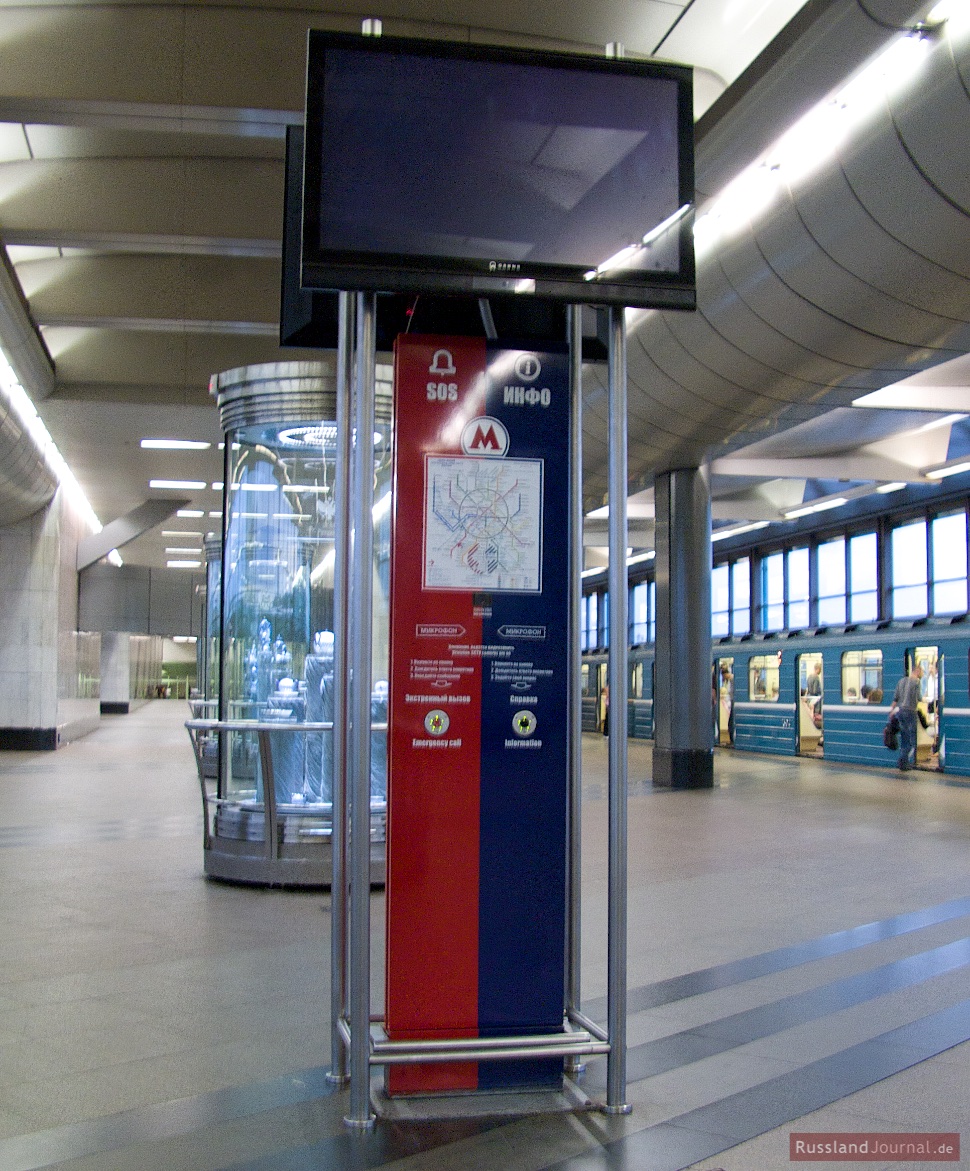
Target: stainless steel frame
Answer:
pixel 357 1031
pixel 617 880
pixel 361 575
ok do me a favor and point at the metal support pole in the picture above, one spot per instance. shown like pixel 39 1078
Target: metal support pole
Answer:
pixel 617 896
pixel 341 592
pixel 574 855
pixel 360 696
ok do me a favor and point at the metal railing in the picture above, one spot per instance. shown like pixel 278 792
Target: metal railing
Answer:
pixel 202 730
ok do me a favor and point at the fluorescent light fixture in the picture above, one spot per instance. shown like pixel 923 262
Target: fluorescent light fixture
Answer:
pixel 885 489
pixel 594 571
pixel 737 530
pixel 183 564
pixel 252 515
pixel 933 424
pixel 382 507
pixel 189 552
pixel 214 515
pixel 185 638
pixel 948 470
pixel 669 222
pixel 816 136
pixel 254 487
pixel 819 506
pixel 319 489
pixel 26 413
pixel 190 513
pixel 217 485
pixel 178 485
pixel 114 558
pixel 180 533
pixel 617 260
pixel 641 557
pixel 176 444
pixel 325 567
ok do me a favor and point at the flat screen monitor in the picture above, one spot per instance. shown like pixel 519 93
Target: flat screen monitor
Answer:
pixel 309 317
pixel 433 167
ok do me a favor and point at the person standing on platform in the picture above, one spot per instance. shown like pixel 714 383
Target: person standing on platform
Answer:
pixel 905 699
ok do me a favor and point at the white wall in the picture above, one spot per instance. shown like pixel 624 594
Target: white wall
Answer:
pixel 48 673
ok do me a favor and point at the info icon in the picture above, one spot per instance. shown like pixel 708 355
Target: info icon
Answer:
pixel 524 723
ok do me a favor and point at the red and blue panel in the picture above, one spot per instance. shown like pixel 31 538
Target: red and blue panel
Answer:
pixel 478 773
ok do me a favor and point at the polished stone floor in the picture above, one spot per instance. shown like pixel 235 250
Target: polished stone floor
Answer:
pixel 798 961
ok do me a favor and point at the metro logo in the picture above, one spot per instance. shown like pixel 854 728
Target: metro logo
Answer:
pixel 485 436
pixel 484 440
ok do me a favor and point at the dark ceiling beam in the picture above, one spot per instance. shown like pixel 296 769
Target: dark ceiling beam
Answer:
pixel 126 528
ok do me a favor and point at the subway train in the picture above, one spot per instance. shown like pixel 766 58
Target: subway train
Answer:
pixel 822 693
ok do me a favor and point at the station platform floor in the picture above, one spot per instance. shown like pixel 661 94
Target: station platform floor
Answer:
pixel 798 962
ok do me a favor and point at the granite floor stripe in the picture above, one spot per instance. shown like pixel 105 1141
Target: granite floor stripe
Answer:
pixel 81 833
pixel 709 1130
pixel 770 962
pixel 385 1143
pixel 47 1148
pixel 707 1040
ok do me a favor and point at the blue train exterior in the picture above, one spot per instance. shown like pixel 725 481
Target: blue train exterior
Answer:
pixel 761 704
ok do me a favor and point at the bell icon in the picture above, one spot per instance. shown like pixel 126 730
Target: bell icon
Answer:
pixel 442 363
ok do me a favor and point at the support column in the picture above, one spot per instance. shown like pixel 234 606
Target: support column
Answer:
pixel 683 755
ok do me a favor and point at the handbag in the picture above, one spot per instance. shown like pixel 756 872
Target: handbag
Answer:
pixel 890 734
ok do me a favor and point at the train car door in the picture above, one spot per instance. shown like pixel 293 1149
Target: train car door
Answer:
pixel 724 685
pixel 811 687
pixel 930 751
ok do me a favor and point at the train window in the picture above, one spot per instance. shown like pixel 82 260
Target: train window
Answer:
pixel 950 564
pixel 909 570
pixel 831 582
pixel 741 596
pixel 592 631
pixel 639 612
pixel 720 601
pixel 636 681
pixel 763 677
pixel 585 678
pixel 797 589
pixel 652 611
pixel 864 578
pixel 773 592
pixel 862 677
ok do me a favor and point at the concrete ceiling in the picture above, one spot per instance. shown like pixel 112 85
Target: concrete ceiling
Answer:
pixel 141 194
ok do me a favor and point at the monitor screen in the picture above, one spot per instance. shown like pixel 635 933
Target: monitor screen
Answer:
pixel 434 167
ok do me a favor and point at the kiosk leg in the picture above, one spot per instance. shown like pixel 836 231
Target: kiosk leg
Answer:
pixel 360 693
pixel 617 909
pixel 574 1065
pixel 341 721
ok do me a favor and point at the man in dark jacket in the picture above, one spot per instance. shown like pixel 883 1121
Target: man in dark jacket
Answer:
pixel 905 699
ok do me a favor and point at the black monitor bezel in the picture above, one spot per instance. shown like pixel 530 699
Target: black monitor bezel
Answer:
pixel 404 273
